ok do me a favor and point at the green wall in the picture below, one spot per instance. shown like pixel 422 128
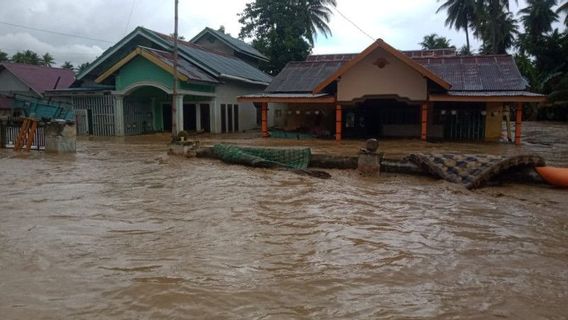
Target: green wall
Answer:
pixel 140 69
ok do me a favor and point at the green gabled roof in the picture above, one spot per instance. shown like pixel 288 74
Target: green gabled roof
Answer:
pixel 236 44
pixel 214 63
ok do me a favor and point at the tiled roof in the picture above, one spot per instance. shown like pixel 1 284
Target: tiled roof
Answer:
pixel 464 73
pixel 184 67
pixel 477 73
pixel 494 93
pixel 303 76
pixel 235 44
pixel 40 78
pixel 220 63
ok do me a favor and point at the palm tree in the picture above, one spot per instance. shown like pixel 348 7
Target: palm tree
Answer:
pixel 461 14
pixel 564 8
pixel 496 26
pixel 82 67
pixel 67 65
pixel 3 56
pixel 27 57
pixel 538 17
pixel 47 60
pixel 317 14
pixel 433 41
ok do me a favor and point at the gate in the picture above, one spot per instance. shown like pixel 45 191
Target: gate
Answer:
pixel 9 134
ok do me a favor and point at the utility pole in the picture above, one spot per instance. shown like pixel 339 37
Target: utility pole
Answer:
pixel 175 87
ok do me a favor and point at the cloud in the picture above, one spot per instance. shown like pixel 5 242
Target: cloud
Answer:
pixel 401 23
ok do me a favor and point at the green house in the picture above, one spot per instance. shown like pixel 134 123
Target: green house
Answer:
pixel 129 89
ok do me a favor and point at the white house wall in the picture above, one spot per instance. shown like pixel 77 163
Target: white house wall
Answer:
pixel 227 93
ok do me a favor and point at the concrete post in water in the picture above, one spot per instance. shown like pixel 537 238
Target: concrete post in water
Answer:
pixel 368 163
pixel 61 137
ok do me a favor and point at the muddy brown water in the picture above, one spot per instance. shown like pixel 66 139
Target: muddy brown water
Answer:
pixel 119 230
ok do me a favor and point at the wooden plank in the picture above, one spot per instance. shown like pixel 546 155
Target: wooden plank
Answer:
pixel 518 123
pixel 338 122
pixel 31 135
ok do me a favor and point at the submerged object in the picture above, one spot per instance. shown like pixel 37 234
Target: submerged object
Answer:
pixel 555 176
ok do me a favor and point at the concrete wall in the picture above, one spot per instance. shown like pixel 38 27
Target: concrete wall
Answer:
pixel 210 42
pixel 227 93
pixel 493 121
pixel 140 69
pixel 11 84
pixel 396 78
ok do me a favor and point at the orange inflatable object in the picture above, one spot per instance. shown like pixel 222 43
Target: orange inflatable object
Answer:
pixel 554 176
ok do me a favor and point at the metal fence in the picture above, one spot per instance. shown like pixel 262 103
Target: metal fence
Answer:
pixel 9 134
pixel 98 115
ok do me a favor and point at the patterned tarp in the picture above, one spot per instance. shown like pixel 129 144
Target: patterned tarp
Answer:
pixel 469 169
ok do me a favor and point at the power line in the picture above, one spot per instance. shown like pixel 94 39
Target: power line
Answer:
pixel 353 23
pixel 129 16
pixel 55 32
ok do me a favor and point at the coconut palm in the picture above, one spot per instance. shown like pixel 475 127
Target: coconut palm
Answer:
pixel 67 65
pixel 538 17
pixel 433 41
pixel 564 8
pixel 461 14
pixel 47 60
pixel 317 16
pixel 27 57
pixel 3 56
pixel 496 26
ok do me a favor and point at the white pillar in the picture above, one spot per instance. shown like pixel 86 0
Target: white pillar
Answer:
pixel 215 116
pixel 179 112
pixel 197 117
pixel 119 115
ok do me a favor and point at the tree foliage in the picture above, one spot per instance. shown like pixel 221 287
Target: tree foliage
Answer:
pixel 3 56
pixel 434 41
pixel 68 65
pixel 82 67
pixel 285 30
pixel 47 60
pixel 27 57
pixel 461 16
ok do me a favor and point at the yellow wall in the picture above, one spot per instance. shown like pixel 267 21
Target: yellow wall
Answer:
pixel 493 121
pixel 396 78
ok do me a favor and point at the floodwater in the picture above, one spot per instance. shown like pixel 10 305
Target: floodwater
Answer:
pixel 122 231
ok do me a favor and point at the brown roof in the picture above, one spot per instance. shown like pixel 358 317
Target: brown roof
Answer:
pixel 490 73
pixel 478 73
pixel 40 78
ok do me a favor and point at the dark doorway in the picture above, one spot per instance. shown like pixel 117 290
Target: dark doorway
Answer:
pixel 90 121
pixel 461 121
pixel 230 117
pixel 236 118
pixel 189 117
pixel 381 118
pixel 223 119
pixel 205 118
pixel 167 116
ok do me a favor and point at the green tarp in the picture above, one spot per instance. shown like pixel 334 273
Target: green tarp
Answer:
pixel 263 157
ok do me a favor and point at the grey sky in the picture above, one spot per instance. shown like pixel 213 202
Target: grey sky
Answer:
pixel 401 23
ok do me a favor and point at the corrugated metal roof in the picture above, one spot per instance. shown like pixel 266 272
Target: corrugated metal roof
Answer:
pixel 219 62
pixel 184 67
pixel 236 44
pixel 40 78
pixel 494 94
pixel 464 73
pixel 303 76
pixel 477 73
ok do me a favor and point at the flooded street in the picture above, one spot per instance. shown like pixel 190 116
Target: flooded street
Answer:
pixel 120 230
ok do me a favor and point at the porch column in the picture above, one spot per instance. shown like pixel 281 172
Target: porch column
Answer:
pixel 119 115
pixel 179 113
pixel 424 123
pixel 338 122
pixel 264 119
pixel 518 123
pixel 197 116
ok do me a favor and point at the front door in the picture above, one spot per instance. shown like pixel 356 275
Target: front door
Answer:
pixel 205 118
pixel 167 116
pixel 189 117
